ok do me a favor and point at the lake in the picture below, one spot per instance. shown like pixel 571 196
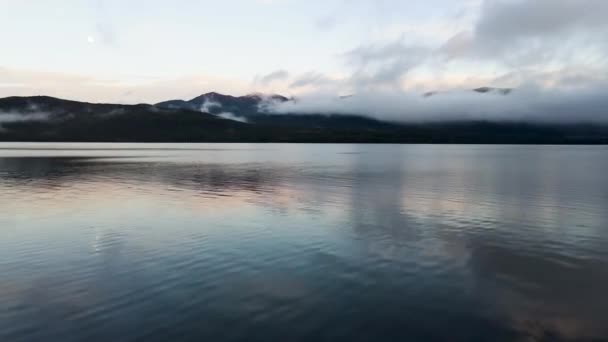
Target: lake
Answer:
pixel 288 242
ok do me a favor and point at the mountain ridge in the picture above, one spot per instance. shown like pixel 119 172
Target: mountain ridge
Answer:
pixel 203 119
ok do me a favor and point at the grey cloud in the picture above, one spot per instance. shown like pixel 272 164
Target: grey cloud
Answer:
pixel 371 66
pixel 384 65
pixel 574 76
pixel 458 45
pixel 533 32
pixel 513 33
pixel 278 75
pixel 522 19
pixel 310 78
pixel 366 54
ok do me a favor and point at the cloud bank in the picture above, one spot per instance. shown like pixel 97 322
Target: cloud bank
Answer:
pixel 528 103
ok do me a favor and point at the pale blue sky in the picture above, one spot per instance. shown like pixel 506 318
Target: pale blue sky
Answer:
pixel 132 51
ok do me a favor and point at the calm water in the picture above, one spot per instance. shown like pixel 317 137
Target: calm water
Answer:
pixel 240 242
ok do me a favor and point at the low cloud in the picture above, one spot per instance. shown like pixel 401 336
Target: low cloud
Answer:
pixel 230 116
pixel 21 117
pixel 216 109
pixel 530 103
pixel 208 106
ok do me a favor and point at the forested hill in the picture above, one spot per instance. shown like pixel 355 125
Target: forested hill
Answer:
pixel 215 117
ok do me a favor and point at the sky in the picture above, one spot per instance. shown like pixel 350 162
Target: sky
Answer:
pixel 153 50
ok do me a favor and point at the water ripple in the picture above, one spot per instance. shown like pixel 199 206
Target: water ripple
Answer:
pixel 302 242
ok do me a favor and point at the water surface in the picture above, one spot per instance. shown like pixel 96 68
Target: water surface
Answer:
pixel 273 242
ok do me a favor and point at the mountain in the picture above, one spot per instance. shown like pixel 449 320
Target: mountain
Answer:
pixel 253 105
pixel 43 118
pixel 215 103
pixel 202 119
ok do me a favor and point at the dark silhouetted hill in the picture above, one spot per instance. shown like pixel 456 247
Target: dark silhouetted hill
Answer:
pixel 42 118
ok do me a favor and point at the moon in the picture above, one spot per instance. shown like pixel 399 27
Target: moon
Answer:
pixel 91 39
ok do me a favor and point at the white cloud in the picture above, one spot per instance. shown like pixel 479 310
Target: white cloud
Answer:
pixel 530 103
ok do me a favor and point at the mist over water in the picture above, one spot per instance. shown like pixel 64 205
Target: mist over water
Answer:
pixel 272 242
